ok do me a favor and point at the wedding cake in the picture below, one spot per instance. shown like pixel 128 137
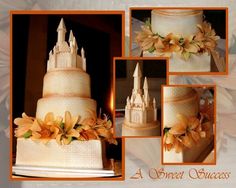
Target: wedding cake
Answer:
pixel 188 133
pixel 140 110
pixel 181 35
pixel 66 131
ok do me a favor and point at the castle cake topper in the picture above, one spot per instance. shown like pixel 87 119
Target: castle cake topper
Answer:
pixel 140 110
pixel 64 54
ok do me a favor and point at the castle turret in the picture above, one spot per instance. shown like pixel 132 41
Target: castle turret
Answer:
pixel 146 94
pixel 137 80
pixel 61 30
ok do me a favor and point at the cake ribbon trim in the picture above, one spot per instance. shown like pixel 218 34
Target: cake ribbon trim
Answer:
pixel 64 130
pixel 205 40
pixel 186 133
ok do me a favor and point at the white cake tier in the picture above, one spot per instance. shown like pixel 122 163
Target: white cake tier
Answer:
pixel 173 93
pixel 58 105
pixel 187 105
pixel 78 154
pixel 196 63
pixel 179 22
pixel 196 154
pixel 129 129
pixel 67 82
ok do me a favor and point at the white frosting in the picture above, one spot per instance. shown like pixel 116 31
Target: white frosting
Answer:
pixel 196 63
pixel 58 105
pixel 176 92
pixel 78 154
pixel 179 22
pixel 72 82
pixel 187 105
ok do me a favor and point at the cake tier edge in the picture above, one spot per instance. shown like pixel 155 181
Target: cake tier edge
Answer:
pixel 128 130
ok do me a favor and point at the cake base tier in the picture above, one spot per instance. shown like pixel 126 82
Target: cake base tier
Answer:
pixel 78 154
pixel 195 154
pixel 84 107
pixel 196 63
pixel 129 130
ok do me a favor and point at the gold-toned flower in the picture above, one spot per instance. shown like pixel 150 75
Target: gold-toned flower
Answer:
pixel 64 131
pixel 205 40
pixel 186 133
pixel 207 36
pixel 67 129
pixel 148 40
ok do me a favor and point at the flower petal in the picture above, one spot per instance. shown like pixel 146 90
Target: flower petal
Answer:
pixel 49 117
pixel 178 129
pixel 73 133
pixel 68 123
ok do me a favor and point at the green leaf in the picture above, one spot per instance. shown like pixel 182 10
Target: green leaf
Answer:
pixel 166 130
pixel 77 126
pixel 148 22
pixel 151 50
pixel 186 55
pixel 62 125
pixel 181 40
pixel 27 134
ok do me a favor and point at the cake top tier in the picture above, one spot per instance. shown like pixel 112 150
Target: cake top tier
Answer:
pixel 176 21
pixel 64 54
pixel 176 92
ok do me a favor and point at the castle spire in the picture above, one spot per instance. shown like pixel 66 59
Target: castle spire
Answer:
pixel 146 94
pixel 137 80
pixel 71 36
pixel 75 44
pixel 61 30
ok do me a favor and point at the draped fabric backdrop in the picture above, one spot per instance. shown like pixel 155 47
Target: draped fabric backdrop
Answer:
pixel 140 153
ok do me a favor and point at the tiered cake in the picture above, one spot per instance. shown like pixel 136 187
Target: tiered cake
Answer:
pixel 66 89
pixel 140 110
pixel 181 35
pixel 186 135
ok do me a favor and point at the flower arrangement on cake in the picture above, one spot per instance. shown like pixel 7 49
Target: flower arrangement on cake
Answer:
pixel 183 35
pixel 186 132
pixel 64 130
pixel 205 40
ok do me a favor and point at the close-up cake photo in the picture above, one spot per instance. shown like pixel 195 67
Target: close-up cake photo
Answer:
pixel 195 40
pixel 138 95
pixel 188 124
pixel 62 124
